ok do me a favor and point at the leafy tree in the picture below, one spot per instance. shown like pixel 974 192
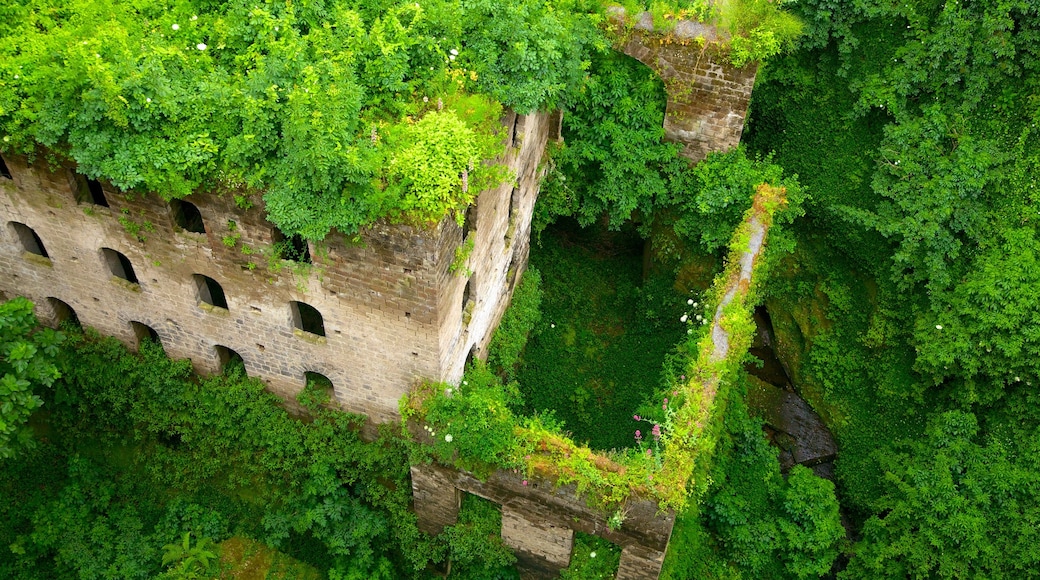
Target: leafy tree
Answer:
pixel 188 562
pixel 27 357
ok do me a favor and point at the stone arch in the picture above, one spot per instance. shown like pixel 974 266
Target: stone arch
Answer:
pixel 187 216
pixel 294 248
pixel 144 333
pixel 89 191
pixel 209 292
pixel 119 265
pixel 306 318
pixel 30 240
pixel 63 313
pixel 708 98
pixel 228 358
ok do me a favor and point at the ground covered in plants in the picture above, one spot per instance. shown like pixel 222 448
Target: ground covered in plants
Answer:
pixel 597 353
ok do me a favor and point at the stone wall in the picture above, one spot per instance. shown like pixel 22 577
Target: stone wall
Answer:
pixel 708 98
pixel 392 311
pixel 539 520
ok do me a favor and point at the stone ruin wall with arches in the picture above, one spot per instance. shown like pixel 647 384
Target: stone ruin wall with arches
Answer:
pixel 372 314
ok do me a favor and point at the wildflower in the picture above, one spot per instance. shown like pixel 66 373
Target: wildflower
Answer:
pixel 635 417
pixel 426 99
pixel 465 181
pixel 690 301
pixel 454 52
pixel 148 99
pixel 553 325
pixel 683 318
pixel 639 435
pixel 682 377
pixel 451 57
pixel 448 437
pixel 465 383
pixel 176 27
pixel 648 452
pixel 200 46
pixel 524 482
pixel 666 401
pixel 592 554
pixel 938 327
pixel 695 305
pixel 194 17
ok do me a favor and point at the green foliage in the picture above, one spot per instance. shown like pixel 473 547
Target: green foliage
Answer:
pixel 593 558
pixel 472 424
pixel 27 357
pixel 325 107
pixel 522 316
pixel 957 504
pixel 596 353
pixel 147 451
pixel 760 29
pixel 475 547
pixel 189 562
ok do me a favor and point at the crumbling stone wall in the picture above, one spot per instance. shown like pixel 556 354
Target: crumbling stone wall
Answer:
pixel 392 309
pixel 708 98
pixel 539 521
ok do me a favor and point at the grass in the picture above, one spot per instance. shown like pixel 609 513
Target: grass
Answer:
pixel 598 350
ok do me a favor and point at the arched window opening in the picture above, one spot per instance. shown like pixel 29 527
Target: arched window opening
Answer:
pixel 145 334
pixel 64 315
pixel 90 191
pixel 467 292
pixel 317 391
pixel 187 216
pixel 230 361
pixel 4 171
pixel 119 265
pixel 30 241
pixel 307 318
pixel 210 291
pixel 292 247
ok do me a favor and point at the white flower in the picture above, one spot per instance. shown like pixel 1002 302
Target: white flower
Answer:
pixel 176 27
pixel 553 325
pixel 448 437
pixel 194 17
pixel 684 318
pixel 200 46
pixel 451 57
pixel 15 76
pixel 938 327
pixel 695 305
pixel 465 382
pixel 148 99
pixel 592 554
pixel 690 301
pixel 454 52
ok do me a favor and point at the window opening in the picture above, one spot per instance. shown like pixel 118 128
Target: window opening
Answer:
pixel 30 241
pixel 119 265
pixel 467 292
pixel 4 171
pixel 292 247
pixel 307 318
pixel 90 191
pixel 145 334
pixel 64 315
pixel 210 291
pixel 469 223
pixel 230 361
pixel 187 216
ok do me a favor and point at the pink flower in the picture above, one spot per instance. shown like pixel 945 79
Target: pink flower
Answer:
pixel 635 417
pixel 656 431
pixel 666 401
pixel 648 453
pixel 524 482
pixel 638 435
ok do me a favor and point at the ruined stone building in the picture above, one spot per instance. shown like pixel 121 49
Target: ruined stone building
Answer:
pixel 371 313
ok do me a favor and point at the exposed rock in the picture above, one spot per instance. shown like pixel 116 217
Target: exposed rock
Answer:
pixel 795 428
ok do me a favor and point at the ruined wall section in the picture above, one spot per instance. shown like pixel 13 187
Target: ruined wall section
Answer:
pixel 500 226
pixel 385 296
pixel 708 97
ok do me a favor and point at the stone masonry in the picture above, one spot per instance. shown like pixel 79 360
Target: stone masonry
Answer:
pixel 707 97
pixel 392 310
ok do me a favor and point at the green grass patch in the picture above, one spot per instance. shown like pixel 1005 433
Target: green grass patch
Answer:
pixel 597 352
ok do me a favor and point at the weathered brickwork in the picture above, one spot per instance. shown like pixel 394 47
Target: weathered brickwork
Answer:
pixel 538 520
pixel 392 310
pixel 708 98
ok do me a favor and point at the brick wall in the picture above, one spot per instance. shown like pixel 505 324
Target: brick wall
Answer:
pixel 392 311
pixel 708 98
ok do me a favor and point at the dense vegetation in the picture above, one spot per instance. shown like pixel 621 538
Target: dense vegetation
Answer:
pixel 340 111
pixel 906 301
